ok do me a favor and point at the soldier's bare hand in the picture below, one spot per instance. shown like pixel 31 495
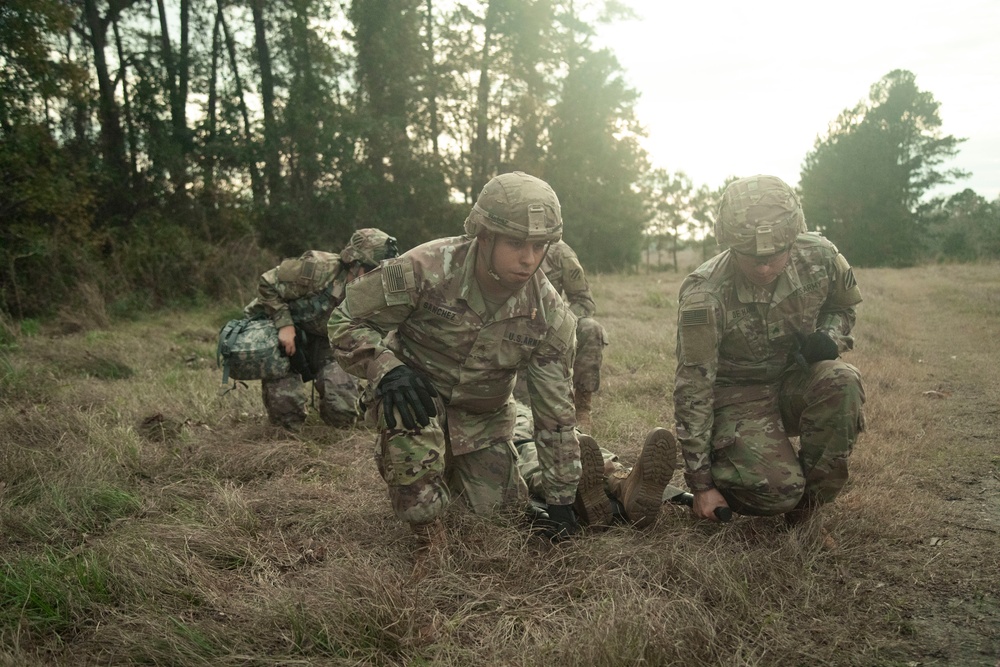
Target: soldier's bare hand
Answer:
pixel 286 336
pixel 705 504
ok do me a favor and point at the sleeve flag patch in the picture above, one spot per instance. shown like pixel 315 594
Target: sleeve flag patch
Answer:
pixel 395 280
pixel 694 317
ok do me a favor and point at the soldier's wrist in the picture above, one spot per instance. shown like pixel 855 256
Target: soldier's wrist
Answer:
pixel 282 319
pixel 381 366
pixel 699 481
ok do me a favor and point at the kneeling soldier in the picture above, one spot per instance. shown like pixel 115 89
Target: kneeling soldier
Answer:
pixel 761 327
pixel 300 294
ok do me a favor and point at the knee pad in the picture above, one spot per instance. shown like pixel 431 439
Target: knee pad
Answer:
pixel 420 502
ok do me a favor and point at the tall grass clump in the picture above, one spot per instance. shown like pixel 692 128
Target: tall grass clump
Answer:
pixel 50 594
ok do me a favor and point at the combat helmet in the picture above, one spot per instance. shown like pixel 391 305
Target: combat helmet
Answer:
pixel 369 246
pixel 759 215
pixel 517 205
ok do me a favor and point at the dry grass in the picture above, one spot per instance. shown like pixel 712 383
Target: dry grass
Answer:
pixel 146 520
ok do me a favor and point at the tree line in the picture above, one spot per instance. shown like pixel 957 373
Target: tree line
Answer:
pixel 160 151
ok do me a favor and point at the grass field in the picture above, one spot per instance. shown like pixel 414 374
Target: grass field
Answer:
pixel 144 519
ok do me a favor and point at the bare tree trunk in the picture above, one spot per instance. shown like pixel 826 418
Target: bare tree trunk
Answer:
pixel 272 156
pixel 112 138
pixel 432 79
pixel 307 171
pixel 184 67
pixel 126 108
pixel 256 182
pixel 77 120
pixel 674 249
pixel 480 157
pixel 211 111
pixel 178 171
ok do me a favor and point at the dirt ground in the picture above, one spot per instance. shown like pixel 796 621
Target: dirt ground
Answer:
pixel 946 320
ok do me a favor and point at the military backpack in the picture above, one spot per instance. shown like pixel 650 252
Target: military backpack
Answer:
pixel 249 350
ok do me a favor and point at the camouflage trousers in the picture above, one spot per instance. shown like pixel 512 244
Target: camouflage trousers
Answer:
pixel 423 476
pixel 285 399
pixel 591 339
pixel 531 470
pixel 528 464
pixel 754 464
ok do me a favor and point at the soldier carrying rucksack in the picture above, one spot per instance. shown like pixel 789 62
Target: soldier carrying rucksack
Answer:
pixel 298 296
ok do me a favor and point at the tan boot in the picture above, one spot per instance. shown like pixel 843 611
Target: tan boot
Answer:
pixel 432 542
pixel 582 400
pixel 640 490
pixel 592 505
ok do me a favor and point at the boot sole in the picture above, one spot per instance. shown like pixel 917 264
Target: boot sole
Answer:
pixel 592 504
pixel 656 461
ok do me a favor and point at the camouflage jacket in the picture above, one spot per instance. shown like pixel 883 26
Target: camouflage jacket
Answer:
pixel 302 291
pixel 564 271
pixel 425 309
pixel 735 340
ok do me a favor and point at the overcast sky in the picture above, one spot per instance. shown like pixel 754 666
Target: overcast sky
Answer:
pixel 738 88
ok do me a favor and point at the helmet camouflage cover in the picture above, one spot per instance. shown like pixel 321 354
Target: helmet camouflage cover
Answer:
pixel 759 215
pixel 369 246
pixel 517 205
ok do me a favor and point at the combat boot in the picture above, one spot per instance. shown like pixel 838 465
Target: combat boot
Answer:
pixel 803 514
pixel 640 490
pixel 803 511
pixel 582 400
pixel 592 504
pixel 429 552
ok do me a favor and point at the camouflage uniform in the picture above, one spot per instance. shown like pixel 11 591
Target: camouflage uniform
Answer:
pixel 430 303
pixel 739 394
pixel 303 292
pixel 528 463
pixel 563 269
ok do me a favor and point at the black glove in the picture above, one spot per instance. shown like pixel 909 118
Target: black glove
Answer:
pixel 412 394
pixel 817 346
pixel 299 361
pixel 561 523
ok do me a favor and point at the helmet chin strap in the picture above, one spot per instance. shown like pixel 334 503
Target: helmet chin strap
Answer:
pixel 489 241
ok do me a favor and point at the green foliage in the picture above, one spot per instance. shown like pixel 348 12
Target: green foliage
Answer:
pixel 130 306
pixel 103 504
pixel 963 227
pixel 595 160
pixel 104 368
pixel 862 183
pixel 29 31
pixel 674 206
pixel 659 300
pixel 189 641
pixel 150 165
pixel 47 211
pixel 50 593
pixel 7 335
pixel 9 376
